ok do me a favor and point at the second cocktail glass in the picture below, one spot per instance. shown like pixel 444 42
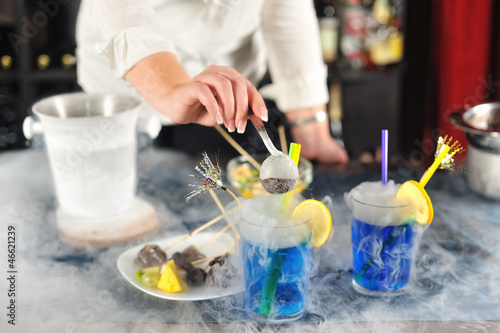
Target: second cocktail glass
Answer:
pixel 385 240
pixel 276 267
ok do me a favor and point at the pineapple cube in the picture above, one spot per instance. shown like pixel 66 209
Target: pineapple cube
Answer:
pixel 170 280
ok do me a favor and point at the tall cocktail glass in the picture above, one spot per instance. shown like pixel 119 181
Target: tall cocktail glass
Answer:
pixel 385 239
pixel 276 264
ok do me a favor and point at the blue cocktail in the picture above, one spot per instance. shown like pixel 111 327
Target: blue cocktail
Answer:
pixel 275 262
pixel 385 239
pixel 284 270
pixel 382 256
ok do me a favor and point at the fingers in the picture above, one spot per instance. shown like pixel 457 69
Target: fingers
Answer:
pixel 257 103
pixel 221 89
pixel 241 114
pixel 203 93
pixel 235 94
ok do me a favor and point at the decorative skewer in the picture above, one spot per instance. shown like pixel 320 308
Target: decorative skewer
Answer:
pixel 203 227
pixel 214 237
pixel 437 162
pixel 446 148
pixel 225 252
pixel 456 148
pixel 282 136
pixel 199 261
pixel 223 211
pixel 238 148
pixel 211 179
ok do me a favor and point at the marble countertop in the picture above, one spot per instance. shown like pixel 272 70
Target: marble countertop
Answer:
pixel 455 286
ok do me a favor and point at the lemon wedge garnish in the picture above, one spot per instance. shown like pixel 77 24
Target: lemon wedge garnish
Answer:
pixel 320 217
pixel 414 193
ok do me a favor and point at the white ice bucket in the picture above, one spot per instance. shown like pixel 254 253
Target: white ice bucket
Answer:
pixel 91 144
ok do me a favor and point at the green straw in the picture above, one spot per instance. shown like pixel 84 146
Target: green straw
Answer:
pixel 270 283
pixel 273 274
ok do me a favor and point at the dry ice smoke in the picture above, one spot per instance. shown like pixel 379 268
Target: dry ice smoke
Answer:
pixel 268 210
pixel 265 221
pixel 374 193
pixel 64 290
pixel 368 202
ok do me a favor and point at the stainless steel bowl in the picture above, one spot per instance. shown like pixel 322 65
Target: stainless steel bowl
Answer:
pixel 481 125
pixel 485 117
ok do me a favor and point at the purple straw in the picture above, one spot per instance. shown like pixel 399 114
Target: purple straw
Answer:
pixel 385 135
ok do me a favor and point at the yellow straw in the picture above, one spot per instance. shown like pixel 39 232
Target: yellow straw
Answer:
pixel 428 174
pixel 294 154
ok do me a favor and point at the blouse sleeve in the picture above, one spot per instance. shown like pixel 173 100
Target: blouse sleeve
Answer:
pixel 296 65
pixel 129 31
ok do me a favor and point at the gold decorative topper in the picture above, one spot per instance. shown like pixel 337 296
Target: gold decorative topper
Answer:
pixel 456 148
pixel 211 178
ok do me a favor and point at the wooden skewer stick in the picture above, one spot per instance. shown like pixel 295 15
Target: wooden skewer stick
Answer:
pixel 217 201
pixel 282 135
pixel 238 147
pixel 214 237
pixel 223 211
pixel 203 227
pixel 234 197
pixel 199 261
pixel 226 251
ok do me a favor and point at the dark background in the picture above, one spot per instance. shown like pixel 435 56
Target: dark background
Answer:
pixel 402 97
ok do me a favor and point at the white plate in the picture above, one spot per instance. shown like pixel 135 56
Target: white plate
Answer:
pixel 128 268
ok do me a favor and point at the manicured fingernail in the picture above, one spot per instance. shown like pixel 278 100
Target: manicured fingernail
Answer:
pixel 241 127
pixel 230 126
pixel 219 119
pixel 264 116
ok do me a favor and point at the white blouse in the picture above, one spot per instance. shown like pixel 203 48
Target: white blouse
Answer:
pixel 248 35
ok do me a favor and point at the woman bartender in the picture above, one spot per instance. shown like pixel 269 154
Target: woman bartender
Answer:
pixel 198 61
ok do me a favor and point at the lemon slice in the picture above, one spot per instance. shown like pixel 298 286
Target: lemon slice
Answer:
pixel 415 194
pixel 321 219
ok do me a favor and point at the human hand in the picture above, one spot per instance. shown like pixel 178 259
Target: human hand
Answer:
pixel 317 143
pixel 217 95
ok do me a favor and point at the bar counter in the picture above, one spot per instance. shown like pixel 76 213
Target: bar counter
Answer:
pixel 455 286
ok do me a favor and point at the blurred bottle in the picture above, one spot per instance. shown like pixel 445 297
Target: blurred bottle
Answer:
pixel 68 61
pixel 352 44
pixel 7 54
pixel 6 62
pixel 385 39
pixel 43 61
pixel 328 28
